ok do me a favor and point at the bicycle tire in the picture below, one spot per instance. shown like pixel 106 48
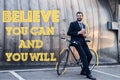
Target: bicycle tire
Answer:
pixel 62 62
pixel 93 62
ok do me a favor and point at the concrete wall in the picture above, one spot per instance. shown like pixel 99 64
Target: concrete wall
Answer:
pixel 96 15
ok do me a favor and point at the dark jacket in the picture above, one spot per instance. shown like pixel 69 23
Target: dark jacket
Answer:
pixel 73 32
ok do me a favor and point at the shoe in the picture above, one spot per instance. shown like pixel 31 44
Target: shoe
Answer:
pixel 91 77
pixel 83 73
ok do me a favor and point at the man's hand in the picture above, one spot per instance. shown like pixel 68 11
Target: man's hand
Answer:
pixel 82 32
pixel 85 35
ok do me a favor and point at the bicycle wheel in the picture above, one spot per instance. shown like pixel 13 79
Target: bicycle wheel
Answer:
pixel 63 58
pixel 93 62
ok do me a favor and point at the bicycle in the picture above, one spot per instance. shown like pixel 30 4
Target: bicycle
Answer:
pixel 64 55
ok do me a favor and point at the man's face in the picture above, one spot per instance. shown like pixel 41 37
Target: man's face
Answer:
pixel 79 17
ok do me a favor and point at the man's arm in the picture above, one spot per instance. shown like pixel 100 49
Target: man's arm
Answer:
pixel 71 31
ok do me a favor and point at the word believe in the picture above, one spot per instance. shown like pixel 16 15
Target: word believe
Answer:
pixel 30 16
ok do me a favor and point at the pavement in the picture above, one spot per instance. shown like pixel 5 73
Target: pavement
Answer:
pixel 106 72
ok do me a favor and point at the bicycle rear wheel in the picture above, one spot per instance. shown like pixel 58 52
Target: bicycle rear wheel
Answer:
pixel 93 60
pixel 62 62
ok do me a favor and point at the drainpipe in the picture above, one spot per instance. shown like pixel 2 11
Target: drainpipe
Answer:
pixel 116 11
pixel 119 31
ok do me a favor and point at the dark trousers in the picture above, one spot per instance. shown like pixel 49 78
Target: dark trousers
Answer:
pixel 85 56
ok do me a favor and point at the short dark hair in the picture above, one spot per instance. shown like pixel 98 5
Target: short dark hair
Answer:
pixel 79 13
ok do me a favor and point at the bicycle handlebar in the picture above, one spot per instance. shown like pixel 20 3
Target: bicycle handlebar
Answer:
pixel 74 42
pixel 65 39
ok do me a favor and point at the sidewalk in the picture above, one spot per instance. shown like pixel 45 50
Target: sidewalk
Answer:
pixel 101 73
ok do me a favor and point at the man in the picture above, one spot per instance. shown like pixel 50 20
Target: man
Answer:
pixel 78 33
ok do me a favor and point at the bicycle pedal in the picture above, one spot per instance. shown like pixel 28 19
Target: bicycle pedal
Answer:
pixel 78 62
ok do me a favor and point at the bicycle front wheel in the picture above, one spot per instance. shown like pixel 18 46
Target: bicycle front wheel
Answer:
pixel 62 62
pixel 93 62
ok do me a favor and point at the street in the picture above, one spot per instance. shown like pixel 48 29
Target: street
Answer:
pixel 106 72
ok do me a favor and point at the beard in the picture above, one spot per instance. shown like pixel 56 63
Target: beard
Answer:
pixel 79 19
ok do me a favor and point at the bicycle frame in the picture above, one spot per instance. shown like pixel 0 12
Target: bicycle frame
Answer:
pixel 72 53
